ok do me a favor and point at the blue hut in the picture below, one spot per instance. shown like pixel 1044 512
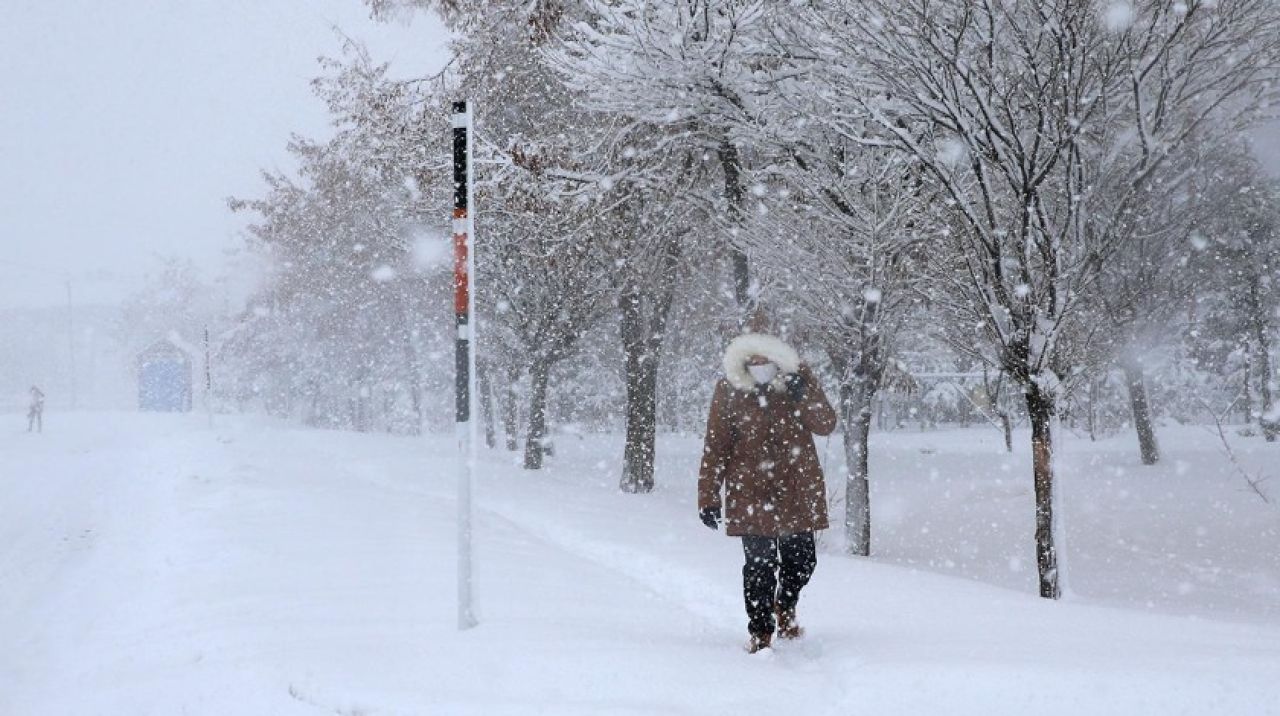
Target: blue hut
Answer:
pixel 164 378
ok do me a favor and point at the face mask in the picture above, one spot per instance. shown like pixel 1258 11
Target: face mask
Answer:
pixel 763 373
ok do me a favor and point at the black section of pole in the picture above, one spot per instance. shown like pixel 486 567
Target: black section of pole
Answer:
pixel 462 368
pixel 459 162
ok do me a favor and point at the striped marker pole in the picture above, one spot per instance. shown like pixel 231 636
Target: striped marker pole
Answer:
pixel 464 364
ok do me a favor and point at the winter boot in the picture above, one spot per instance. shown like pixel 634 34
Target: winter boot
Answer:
pixel 759 642
pixel 787 627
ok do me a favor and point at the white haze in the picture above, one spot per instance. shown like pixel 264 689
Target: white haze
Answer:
pixel 124 127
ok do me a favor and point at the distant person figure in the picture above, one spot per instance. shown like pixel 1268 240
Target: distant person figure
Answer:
pixel 759 451
pixel 35 413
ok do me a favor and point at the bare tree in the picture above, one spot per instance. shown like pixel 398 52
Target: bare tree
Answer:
pixel 843 248
pixel 1020 110
pixel 694 66
pixel 1241 239
pixel 1144 286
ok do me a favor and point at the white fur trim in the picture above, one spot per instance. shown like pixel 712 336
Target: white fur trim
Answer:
pixel 742 348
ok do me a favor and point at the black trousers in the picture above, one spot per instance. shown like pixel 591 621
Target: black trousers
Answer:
pixel 777 569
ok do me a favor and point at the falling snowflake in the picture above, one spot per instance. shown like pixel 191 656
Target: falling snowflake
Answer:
pixel 1118 16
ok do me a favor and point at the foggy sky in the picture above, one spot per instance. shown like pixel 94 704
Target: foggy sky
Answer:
pixel 125 125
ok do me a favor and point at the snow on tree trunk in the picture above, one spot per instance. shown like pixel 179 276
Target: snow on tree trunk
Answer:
pixel 415 403
pixel 731 165
pixel 414 379
pixel 1093 409
pixel 995 399
pixel 644 302
pixel 1267 418
pixel 533 447
pixel 511 415
pixel 1040 409
pixel 1246 393
pixel 642 396
pixel 1135 377
pixel 855 414
pixel 484 386
pixel 642 409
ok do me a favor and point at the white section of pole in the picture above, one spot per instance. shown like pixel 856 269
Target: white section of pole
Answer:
pixel 466 612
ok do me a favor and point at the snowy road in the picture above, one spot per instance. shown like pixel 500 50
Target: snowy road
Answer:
pixel 150 565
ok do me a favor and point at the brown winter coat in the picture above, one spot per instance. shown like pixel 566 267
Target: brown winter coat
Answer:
pixel 759 450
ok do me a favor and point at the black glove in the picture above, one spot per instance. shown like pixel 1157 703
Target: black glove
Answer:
pixel 796 386
pixel 710 517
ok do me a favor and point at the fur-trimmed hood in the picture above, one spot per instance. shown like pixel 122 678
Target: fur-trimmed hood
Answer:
pixel 742 348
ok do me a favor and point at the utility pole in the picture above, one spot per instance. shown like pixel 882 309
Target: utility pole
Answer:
pixel 464 364
pixel 208 379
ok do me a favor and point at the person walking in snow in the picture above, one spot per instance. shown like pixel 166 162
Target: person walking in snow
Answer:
pixel 35 413
pixel 760 475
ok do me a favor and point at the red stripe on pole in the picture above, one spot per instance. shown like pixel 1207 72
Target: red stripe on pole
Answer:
pixel 460 283
pixel 460 295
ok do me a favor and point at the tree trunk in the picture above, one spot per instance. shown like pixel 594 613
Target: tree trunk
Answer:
pixel 1040 409
pixel 413 358
pixel 641 342
pixel 483 385
pixel 731 165
pixel 511 412
pixel 644 326
pixel 1266 417
pixel 415 401
pixel 995 393
pixel 1135 377
pixel 857 391
pixel 1262 338
pixel 1248 387
pixel 1093 409
pixel 855 413
pixel 642 408
pixel 539 373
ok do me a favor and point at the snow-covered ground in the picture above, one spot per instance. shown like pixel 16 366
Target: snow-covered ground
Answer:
pixel 152 565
